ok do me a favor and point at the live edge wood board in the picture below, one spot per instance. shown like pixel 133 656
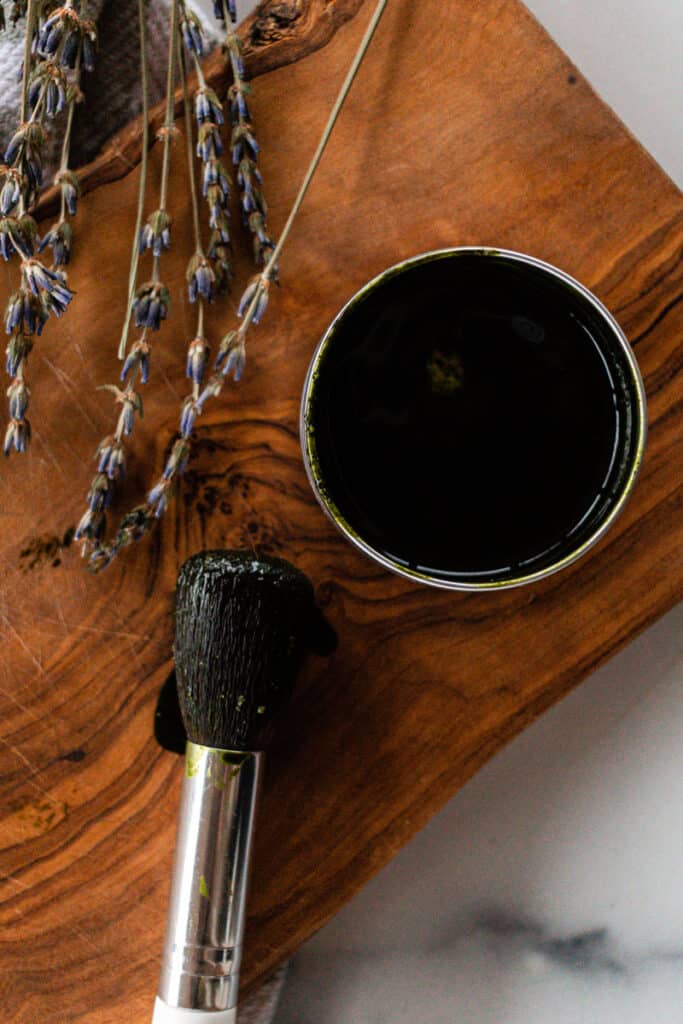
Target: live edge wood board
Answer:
pixel 466 126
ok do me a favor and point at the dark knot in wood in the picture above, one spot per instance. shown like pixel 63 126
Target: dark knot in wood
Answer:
pixel 275 19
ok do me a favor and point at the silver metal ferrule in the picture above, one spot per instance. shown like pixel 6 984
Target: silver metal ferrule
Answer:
pixel 203 945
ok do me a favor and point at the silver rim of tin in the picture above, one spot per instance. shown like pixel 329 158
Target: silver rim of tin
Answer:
pixel 334 514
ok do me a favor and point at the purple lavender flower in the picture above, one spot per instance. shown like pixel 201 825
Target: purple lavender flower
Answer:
pixel 239 109
pixel 156 234
pixel 11 191
pixel 215 199
pixel 70 51
pixel 66 29
pixel 89 44
pixel 252 198
pixel 243 142
pixel 17 436
pixel 111 458
pixel 222 267
pixel 18 394
pixel 188 415
pixel 49 284
pixel 232 356
pixel 191 29
pixel 212 388
pixel 132 403
pixel 91 526
pixel 257 289
pixel 47 81
pixel 160 496
pixel 207 106
pixel 215 174
pixel 219 7
pixel 24 152
pixel 10 238
pixel 18 351
pixel 51 33
pixel 151 305
pixel 59 238
pixel 14 146
pixel 137 358
pixel 197 355
pixel 263 243
pixel 201 279
pixel 24 312
pixel 100 494
pixel 70 187
pixel 219 239
pixel 209 141
pixel 247 173
pixel 176 464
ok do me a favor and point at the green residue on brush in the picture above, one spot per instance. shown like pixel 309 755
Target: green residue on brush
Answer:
pixel 261 709
pixel 240 701
pixel 193 758
pixel 203 887
pixel 237 757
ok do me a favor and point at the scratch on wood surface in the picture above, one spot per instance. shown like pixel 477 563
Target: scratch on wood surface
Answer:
pixel 35 770
pixel 22 643
pixel 22 707
pixel 71 389
pixel 48 451
pixel 60 613
pixel 84 362
pixel 124 634
pixel 171 388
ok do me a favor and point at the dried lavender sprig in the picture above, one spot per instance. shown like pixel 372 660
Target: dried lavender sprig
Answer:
pixel 149 307
pixel 59 43
pixel 197 359
pixel 216 181
pixel 200 291
pixel 111 451
pixel 31 12
pixel 137 523
pixel 201 278
pixel 149 304
pixel 244 146
pixel 60 235
pixel 42 291
pixel 200 274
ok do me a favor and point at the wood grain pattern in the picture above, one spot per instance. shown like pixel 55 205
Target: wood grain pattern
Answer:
pixel 481 132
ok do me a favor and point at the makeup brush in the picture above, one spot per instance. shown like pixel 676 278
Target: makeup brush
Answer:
pixel 240 630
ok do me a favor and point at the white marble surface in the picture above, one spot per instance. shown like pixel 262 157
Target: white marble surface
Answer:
pixel 550 889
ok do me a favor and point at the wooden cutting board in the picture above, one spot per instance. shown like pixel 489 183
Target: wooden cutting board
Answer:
pixel 467 125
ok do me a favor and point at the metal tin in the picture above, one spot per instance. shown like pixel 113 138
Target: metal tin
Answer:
pixel 308 440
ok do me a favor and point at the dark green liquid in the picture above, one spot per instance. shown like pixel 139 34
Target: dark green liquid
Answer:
pixel 472 418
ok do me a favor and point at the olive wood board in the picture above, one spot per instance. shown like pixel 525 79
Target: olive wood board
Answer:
pixel 467 125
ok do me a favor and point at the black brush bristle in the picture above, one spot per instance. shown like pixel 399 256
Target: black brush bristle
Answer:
pixel 240 632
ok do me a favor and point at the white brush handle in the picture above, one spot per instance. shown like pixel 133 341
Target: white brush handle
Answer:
pixel 165 1014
